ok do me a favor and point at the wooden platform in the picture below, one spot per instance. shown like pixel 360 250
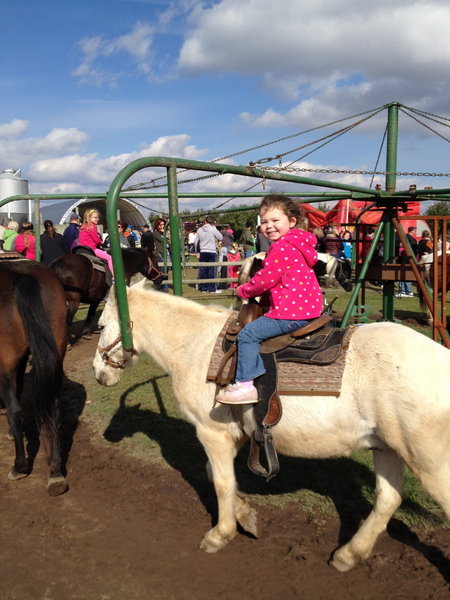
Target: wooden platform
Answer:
pixel 394 272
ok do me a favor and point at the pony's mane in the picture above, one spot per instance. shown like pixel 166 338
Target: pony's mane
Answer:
pixel 244 272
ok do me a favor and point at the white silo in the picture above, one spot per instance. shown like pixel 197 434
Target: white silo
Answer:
pixel 12 184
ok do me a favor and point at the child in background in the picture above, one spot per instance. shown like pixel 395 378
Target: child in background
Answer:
pixel 90 237
pixel 295 295
pixel 25 242
pixel 233 270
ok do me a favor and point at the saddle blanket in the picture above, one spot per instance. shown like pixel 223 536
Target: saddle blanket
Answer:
pixel 295 379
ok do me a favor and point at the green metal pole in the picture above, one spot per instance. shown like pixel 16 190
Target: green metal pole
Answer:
pixel 391 147
pixel 389 232
pixel 174 230
pixel 37 230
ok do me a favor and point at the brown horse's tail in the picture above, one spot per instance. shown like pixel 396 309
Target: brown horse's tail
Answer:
pixel 47 361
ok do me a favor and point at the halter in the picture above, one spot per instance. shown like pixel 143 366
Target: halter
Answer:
pixel 151 269
pixel 115 364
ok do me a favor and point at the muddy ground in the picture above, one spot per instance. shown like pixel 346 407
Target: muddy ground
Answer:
pixel 130 530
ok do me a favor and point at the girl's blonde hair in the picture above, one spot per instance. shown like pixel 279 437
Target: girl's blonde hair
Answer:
pixel 290 207
pixel 87 215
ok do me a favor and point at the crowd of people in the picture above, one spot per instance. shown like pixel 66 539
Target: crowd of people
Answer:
pixel 208 241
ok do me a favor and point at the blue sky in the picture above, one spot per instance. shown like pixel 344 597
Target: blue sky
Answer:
pixel 88 86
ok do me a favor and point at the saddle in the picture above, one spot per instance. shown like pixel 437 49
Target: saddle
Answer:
pixel 318 344
pixel 12 255
pixel 99 264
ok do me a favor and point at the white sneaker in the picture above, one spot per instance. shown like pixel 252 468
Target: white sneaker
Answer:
pixel 237 393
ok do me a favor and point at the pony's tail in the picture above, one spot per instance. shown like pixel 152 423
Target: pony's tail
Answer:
pixel 47 372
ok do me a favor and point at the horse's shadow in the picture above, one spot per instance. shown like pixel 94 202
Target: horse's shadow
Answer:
pixel 182 451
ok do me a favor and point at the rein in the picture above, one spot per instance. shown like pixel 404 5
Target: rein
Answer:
pixel 115 364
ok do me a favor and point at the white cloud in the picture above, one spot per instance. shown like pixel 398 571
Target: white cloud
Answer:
pixel 13 129
pixel 334 56
pixel 56 163
pixel 135 44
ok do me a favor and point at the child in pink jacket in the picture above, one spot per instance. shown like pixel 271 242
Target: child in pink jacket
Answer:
pixel 295 295
pixel 233 270
pixel 89 236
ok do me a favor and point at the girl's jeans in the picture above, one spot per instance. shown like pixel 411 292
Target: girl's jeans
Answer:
pixel 249 362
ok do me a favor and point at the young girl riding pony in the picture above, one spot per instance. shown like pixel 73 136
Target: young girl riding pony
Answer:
pixel 295 295
pixel 90 237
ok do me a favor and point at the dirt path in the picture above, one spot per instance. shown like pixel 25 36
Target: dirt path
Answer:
pixel 128 530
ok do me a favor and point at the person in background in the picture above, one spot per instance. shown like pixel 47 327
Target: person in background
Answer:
pixel 227 238
pixel 9 235
pixel 147 239
pixel 53 244
pixel 124 241
pixel 425 245
pixel 405 287
pixel 3 227
pixel 130 235
pixel 71 232
pixel 233 269
pixel 347 246
pixel 158 235
pixel 248 240
pixel 318 232
pixel 205 239
pixel 262 243
pixel 25 242
pixel 332 243
pixel 190 242
pixel 90 237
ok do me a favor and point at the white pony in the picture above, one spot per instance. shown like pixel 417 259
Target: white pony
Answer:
pixel 394 400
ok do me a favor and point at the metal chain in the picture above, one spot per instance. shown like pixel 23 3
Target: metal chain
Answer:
pixel 428 115
pixel 356 172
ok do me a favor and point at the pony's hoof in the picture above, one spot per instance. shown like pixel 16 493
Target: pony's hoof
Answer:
pixel 212 542
pixel 57 486
pixel 87 336
pixel 342 560
pixel 15 475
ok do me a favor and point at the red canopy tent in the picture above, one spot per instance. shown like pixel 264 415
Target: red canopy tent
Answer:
pixel 347 211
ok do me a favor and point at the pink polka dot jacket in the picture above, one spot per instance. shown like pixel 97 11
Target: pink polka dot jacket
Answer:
pixel 288 276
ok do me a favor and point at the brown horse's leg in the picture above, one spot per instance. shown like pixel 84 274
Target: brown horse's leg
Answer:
pixel 56 482
pixel 89 324
pixel 8 392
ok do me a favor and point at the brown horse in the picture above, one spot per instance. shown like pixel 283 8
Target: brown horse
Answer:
pixel 33 317
pixel 86 278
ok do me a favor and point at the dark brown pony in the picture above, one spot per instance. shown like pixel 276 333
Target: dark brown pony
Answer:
pixel 86 278
pixel 33 317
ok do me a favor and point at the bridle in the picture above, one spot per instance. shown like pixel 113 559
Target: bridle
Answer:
pixel 152 269
pixel 115 364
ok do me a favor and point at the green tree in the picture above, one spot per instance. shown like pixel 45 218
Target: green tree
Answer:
pixel 438 209
pixel 441 208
